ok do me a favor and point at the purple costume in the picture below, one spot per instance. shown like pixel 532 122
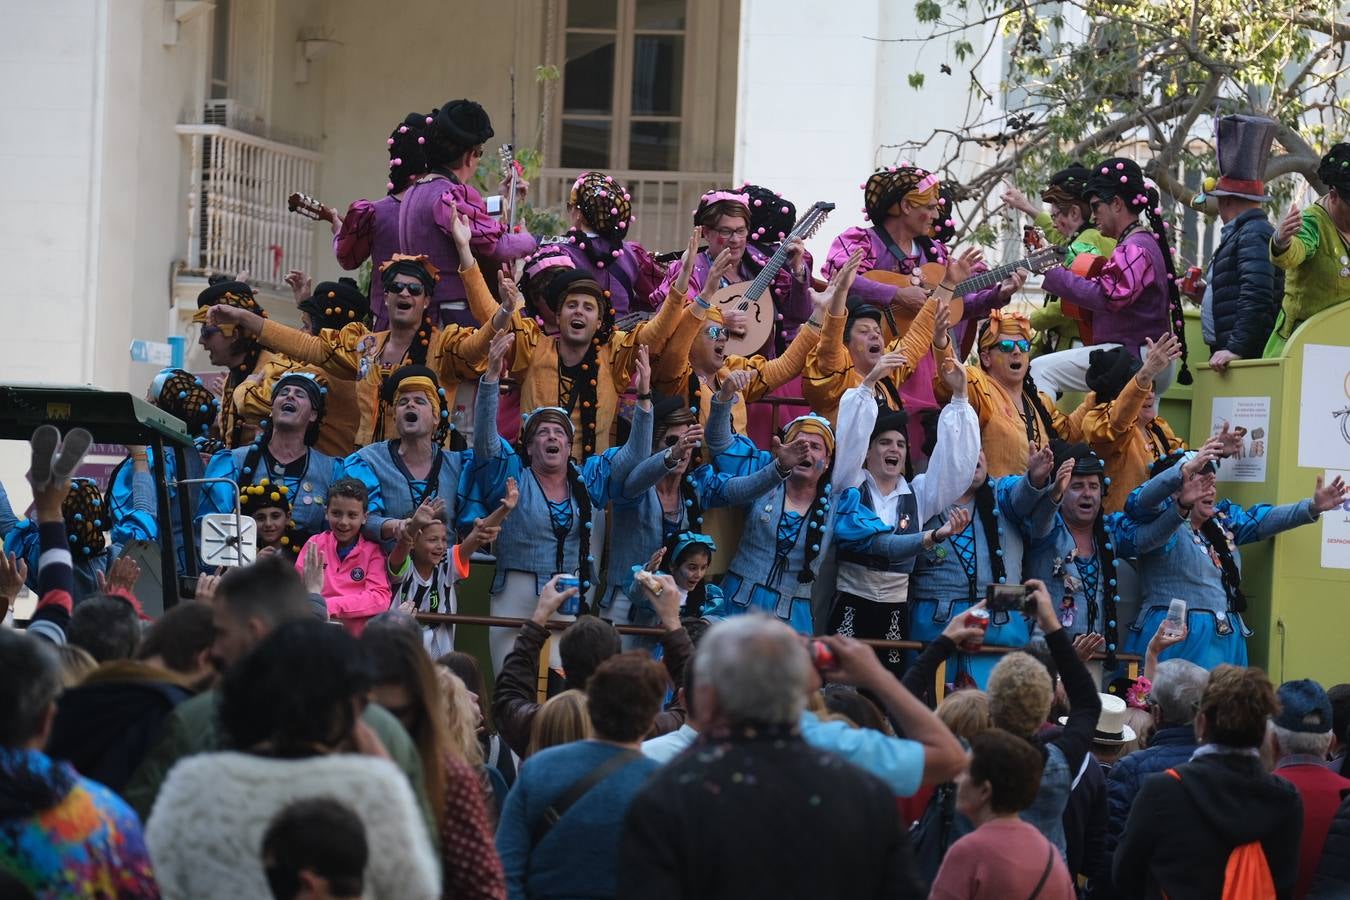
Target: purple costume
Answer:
pixel 917 392
pixel 1129 296
pixel 631 277
pixel 791 298
pixel 419 221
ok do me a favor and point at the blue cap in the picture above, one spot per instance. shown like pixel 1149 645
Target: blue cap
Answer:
pixel 1304 707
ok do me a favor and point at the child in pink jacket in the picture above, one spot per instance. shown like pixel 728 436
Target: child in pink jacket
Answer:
pixel 355 584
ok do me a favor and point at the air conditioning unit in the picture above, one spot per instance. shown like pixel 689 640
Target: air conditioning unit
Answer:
pixel 232 114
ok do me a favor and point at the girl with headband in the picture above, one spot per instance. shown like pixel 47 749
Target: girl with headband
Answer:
pixel 1134 296
pixel 557 526
pixel 1201 562
pixel 411 468
pixel 601 211
pixel 283 453
pixel 456 353
pixel 790 526
pixel 588 364
pixel 419 218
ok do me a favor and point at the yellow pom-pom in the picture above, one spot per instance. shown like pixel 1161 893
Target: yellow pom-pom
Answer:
pixel 1211 183
pixel 275 496
pixel 282 488
pixel 285 541
pixel 332 294
pixel 328 310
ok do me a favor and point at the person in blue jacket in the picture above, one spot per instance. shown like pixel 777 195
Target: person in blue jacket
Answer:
pixel 283 453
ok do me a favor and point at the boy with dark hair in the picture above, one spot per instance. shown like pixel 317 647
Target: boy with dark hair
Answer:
pixel 346 568
pixel 315 848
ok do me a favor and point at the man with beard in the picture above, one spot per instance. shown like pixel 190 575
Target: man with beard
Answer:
pixel 238 351
pixel 282 453
pixel 1014 415
pixel 403 472
pixel 873 456
pixel 354 353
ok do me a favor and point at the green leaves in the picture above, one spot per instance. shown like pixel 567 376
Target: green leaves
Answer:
pixel 927 10
pixel 915 80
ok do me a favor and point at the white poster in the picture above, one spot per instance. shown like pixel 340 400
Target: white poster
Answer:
pixel 1324 408
pixel 1336 531
pixel 1251 416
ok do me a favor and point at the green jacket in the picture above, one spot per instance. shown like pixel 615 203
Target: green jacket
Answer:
pixel 1313 280
pixel 193 728
pixel 1089 240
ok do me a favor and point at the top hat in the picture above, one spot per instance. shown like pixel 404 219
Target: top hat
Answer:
pixel 1243 146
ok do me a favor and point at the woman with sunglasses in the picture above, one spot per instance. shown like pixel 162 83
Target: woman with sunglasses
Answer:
pixel 456 353
pixel 418 218
pixel 1013 414
pixel 668 494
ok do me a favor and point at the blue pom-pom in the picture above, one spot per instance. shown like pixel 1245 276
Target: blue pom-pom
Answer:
pixel 182 395
pixel 1000 531
pixel 79 517
pixel 1111 624
pixel 589 525
pixel 204 408
pixel 71 538
pixel 1106 482
pixel 688 503
pixel 86 551
pixel 1002 579
pixel 998 552
pixel 1112 582
pixel 98 523
pixel 248 470
pixel 584 586
pixel 1115 563
pixel 590 559
pixel 827 488
pixel 815 548
pixel 1111 647
pixel 698 521
pixel 996 512
pixel 814 525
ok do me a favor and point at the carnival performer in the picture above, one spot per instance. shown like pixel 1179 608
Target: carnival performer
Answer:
pixel 686 557
pixel 1201 563
pixel 1079 559
pixel 418 220
pixel 601 211
pixel 854 337
pixel 237 351
pixel 789 527
pixel 585 367
pixel 557 525
pixel 132 504
pixel 1134 295
pixel 695 359
pixel 669 493
pixel 86 520
pixel 282 453
pixel 1242 289
pixel 722 219
pixel 353 353
pixel 1004 515
pixel 903 205
pixel 1313 248
pixel 1013 413
pixel 873 456
pixel 404 472
pixel 1068 224
pixel 1123 426
pixel 269 505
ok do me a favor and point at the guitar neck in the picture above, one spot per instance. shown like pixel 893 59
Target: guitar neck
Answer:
pixel 768 273
pixel 991 277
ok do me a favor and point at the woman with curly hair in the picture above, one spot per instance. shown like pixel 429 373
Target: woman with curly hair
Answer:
pixel 417 215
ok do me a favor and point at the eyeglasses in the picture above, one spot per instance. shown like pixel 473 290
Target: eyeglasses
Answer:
pixel 727 234
pixel 716 332
pixel 1007 346
pixel 414 289
pixel 210 331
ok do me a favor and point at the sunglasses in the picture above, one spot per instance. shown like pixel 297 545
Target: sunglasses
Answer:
pixel 1007 346
pixel 716 332
pixel 209 331
pixel 414 290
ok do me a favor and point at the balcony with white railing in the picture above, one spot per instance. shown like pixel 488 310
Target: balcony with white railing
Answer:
pixel 663 202
pixel 237 215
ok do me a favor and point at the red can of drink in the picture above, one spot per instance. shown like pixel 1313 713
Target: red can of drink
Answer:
pixel 1191 282
pixel 976 618
pixel 822 657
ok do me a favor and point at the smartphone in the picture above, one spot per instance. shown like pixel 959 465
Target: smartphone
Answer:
pixel 493 202
pixel 1007 598
pixel 187 586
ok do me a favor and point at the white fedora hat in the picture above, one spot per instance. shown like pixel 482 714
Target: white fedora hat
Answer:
pixel 1111 727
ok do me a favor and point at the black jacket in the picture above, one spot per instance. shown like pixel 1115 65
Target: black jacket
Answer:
pixel 1333 874
pixel 1247 287
pixel 1180 831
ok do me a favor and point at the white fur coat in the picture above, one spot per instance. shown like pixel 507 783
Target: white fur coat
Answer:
pixel 206 830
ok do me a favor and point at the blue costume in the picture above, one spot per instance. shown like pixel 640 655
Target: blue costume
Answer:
pixel 1187 566
pixel 86 522
pixel 307 480
pixel 952 577
pixel 771 559
pixel 134 508
pixel 396 494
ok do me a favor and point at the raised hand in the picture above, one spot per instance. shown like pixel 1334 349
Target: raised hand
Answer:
pixel 1209 452
pixel 13 574
pixel 1230 439
pixel 835 294
pixel 957 521
pixel 960 267
pixel 301 285
pixel 512 495
pixel 1087 645
pixel 797 256
pixel 954 376
pixel 206 588
pixel 1040 460
pixel 550 601
pixel 1157 358
pixel 942 319
pixel 427 511
pixel 722 265
pixel 313 573
pixel 1017 200
pixel 886 363
pixel 1164 637
pixel 121 578
pixel 654 561
pixel 1327 497
pixel 642 368
pixel 687 444
pixel 958 631
pixel 687 264
pixel 1288 227
pixel 497 355
pixel 789 456
pixel 511 300
pixel 1062 478
pixel 735 382
pixel 1195 487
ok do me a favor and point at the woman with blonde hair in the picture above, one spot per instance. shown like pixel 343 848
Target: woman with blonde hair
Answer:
pixel 966 713
pixel 562 720
pixel 436 710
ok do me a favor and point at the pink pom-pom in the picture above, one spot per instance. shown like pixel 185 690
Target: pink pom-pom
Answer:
pixel 759 203
pixel 613 210
pixel 951 224
pixel 627 196
pixel 429 120
pixel 632 219
pixel 1168 227
pixel 421 140
pixel 1105 170
pixel 396 161
pixel 571 239
pixel 582 245
pixel 779 317
pixel 862 187
pixel 390 142
pixel 784 210
pixel 403 129
pixel 609 178
pixel 1124 179
pixel 781 235
pixel 614 253
pixel 388 185
pixel 601 264
pixel 1120 167
pixel 1157 211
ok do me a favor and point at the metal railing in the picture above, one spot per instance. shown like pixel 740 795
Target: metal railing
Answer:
pixel 663 202
pixel 237 215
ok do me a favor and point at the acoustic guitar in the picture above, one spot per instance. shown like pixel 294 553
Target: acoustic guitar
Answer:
pixel 748 296
pixel 930 275
pixel 307 206
pixel 1084 265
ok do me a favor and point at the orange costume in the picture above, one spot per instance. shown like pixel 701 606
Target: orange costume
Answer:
pixel 1112 430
